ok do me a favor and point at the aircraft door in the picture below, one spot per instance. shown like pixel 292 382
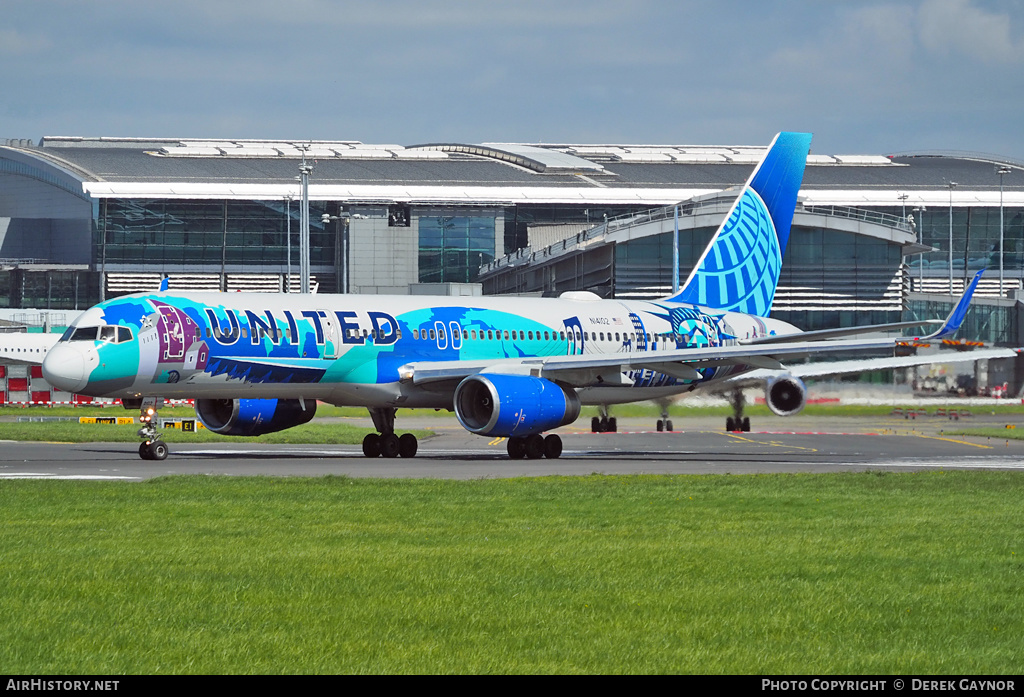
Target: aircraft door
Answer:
pixel 332 334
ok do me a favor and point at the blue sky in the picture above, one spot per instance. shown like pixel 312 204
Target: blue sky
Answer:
pixel 864 77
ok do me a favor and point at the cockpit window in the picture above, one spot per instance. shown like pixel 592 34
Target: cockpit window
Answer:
pixel 109 333
pixel 84 334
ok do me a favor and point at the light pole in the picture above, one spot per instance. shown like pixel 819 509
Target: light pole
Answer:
pixel 304 172
pixel 920 240
pixel 675 250
pixel 345 218
pixel 288 217
pixel 1001 170
pixel 951 185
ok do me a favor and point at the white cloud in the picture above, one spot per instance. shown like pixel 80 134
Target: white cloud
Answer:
pixel 956 26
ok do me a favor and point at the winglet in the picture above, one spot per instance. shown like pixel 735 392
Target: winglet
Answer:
pixel 164 283
pixel 956 317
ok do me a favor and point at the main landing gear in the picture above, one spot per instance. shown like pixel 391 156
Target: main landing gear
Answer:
pixel 604 423
pixel 664 423
pixel 387 443
pixel 152 447
pixel 535 447
pixel 737 422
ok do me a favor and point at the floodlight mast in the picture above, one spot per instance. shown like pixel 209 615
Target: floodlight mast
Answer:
pixel 951 185
pixel 304 171
pixel 1001 170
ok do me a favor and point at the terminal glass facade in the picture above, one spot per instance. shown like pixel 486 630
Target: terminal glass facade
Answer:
pixel 161 232
pixel 453 247
pixel 975 239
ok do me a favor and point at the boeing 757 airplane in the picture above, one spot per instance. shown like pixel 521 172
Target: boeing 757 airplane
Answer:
pixel 512 367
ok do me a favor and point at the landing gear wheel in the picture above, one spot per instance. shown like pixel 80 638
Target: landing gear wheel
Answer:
pixel 389 445
pixel 408 445
pixel 371 445
pixel 595 425
pixel 535 446
pixel 156 450
pixel 516 447
pixel 613 425
pixel 552 447
pixel 668 426
pixel 661 425
pixel 730 425
pixel 746 424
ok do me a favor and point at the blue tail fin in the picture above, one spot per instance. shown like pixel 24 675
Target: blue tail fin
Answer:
pixel 740 268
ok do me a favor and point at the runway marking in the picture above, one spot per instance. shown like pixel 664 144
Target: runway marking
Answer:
pixel 987 463
pixel 48 475
pixel 773 443
pixel 954 440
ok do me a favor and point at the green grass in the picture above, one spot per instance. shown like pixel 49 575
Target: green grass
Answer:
pixel 74 432
pixel 992 432
pixel 821 574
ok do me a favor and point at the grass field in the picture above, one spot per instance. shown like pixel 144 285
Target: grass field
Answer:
pixel 843 573
pixel 74 432
pixel 319 432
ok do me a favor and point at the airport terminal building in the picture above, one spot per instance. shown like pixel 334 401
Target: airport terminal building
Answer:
pixel 874 237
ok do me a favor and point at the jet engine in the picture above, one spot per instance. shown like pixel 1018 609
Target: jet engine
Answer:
pixel 785 395
pixel 491 404
pixel 253 417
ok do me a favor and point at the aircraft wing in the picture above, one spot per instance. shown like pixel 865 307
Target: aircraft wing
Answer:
pixel 587 370
pixel 828 368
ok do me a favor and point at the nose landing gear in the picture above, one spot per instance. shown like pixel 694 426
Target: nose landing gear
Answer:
pixel 152 447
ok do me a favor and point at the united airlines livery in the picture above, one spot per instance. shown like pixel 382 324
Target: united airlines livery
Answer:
pixel 513 367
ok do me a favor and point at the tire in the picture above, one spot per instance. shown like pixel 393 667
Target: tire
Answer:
pixel 371 445
pixel 408 445
pixel 668 426
pixel 746 424
pixel 603 425
pixel 595 425
pixel 613 425
pixel 389 445
pixel 516 448
pixel 535 446
pixel 158 450
pixel 144 451
pixel 661 425
pixel 730 424
pixel 552 447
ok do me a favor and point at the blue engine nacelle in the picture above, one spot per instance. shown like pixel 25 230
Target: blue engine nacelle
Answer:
pixel 253 417
pixel 490 404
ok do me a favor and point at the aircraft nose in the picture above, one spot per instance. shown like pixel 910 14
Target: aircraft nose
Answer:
pixel 64 368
